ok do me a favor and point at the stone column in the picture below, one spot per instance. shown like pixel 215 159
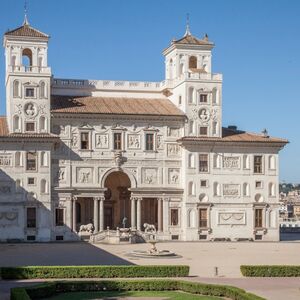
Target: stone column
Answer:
pixel 101 213
pixel 133 215
pixel 159 213
pixel 74 220
pixel 139 211
pixel 96 214
pixel 69 212
pixel 166 214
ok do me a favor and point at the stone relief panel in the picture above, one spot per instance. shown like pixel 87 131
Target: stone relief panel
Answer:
pixel 150 176
pixel 173 150
pixel 231 162
pixel 30 110
pixel 231 190
pixel 84 175
pixel 8 218
pixel 74 140
pixel 102 141
pixel 204 115
pixel 61 175
pixel 232 218
pixel 159 142
pixel 133 141
pixel 5 160
pixel 173 176
pixel 173 132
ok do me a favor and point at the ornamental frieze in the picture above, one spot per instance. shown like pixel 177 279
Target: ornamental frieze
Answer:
pixel 231 190
pixel 231 162
pixel 232 218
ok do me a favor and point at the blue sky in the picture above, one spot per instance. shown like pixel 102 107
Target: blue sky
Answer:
pixel 257 50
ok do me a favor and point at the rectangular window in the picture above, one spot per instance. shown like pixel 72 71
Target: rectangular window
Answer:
pixel 31 181
pixel 203 162
pixel 258 218
pixel 30 126
pixel 203 218
pixel 31 161
pixel 203 98
pixel 203 130
pixel 258 184
pixel 85 145
pixel 29 92
pixel 31 217
pixel 59 217
pixel 203 183
pixel 149 141
pixel 174 216
pixel 258 164
pixel 117 141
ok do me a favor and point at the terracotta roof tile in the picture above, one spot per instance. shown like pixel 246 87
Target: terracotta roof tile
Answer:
pixel 3 126
pixel 192 40
pixel 27 30
pixel 230 135
pixel 114 105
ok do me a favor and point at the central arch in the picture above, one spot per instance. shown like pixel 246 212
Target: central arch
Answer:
pixel 117 204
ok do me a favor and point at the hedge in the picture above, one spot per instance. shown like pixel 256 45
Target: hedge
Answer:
pixel 49 289
pixel 270 271
pixel 44 272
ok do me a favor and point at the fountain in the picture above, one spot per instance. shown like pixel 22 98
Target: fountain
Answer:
pixel 151 238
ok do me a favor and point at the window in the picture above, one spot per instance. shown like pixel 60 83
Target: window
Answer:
pixel 272 191
pixel 258 184
pixel 27 57
pixel 272 165
pixel 29 92
pixel 193 62
pixel 246 162
pixel 30 126
pixel 191 161
pixel 203 98
pixel 31 217
pixel 31 161
pixel 203 162
pixel 149 141
pixel 16 124
pixel 174 217
pixel 44 159
pixel 203 183
pixel 217 189
pixel 117 141
pixel 203 130
pixel 191 189
pixel 31 181
pixel 59 217
pixel 203 217
pixel 217 161
pixel 258 164
pixel 16 89
pixel 85 145
pixel 258 222
pixel 246 189
pixel 44 186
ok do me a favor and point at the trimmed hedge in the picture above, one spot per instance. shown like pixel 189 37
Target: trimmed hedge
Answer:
pixel 93 272
pixel 270 271
pixel 49 289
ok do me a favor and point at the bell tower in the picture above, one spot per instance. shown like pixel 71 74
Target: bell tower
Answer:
pixel 27 80
pixel 193 86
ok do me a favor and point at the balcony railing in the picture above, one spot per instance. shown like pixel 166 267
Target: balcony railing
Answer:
pixel 29 69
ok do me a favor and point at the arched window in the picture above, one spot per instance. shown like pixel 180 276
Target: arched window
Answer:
pixel 191 160
pixel 272 191
pixel 191 189
pixel 16 124
pixel 27 58
pixel 215 96
pixel 246 189
pixel 43 124
pixel 18 159
pixel 191 218
pixel 217 189
pixel 44 159
pixel 191 95
pixel 171 69
pixel 272 163
pixel 16 89
pixel 44 186
pixel 42 90
pixel 246 162
pixel 193 62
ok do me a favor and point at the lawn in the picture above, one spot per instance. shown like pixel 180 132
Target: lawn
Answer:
pixel 174 295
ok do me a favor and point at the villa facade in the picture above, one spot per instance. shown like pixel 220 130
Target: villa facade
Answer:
pixel 121 154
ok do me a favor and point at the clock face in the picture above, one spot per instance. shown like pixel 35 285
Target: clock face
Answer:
pixel 204 114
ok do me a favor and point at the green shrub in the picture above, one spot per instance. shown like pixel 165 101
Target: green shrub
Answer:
pixel 270 271
pixel 19 294
pixel 49 289
pixel 93 272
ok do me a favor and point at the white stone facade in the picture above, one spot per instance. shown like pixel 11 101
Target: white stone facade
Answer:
pixel 62 169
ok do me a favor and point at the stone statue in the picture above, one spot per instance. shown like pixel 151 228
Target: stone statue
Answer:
pixel 88 228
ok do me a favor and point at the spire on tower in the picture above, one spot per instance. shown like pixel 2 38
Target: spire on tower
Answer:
pixel 187 30
pixel 25 13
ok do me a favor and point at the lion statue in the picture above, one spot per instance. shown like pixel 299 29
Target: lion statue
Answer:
pixel 88 228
